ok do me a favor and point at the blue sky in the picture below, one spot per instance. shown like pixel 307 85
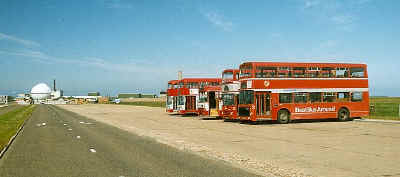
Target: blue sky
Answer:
pixel 116 46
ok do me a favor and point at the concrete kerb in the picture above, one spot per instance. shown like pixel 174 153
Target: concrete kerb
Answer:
pixel 378 121
pixel 4 150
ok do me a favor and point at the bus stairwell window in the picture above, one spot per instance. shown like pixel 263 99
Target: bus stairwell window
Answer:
pixel 356 96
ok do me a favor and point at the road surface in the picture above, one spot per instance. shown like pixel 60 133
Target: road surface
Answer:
pixel 56 142
pixel 316 148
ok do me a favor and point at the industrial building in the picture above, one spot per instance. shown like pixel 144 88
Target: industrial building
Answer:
pixel 42 94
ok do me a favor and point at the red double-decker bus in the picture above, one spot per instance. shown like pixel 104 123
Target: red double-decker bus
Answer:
pixel 198 96
pixel 288 91
pixel 229 94
pixel 172 93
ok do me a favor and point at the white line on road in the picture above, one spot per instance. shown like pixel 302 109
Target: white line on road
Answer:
pixel 92 150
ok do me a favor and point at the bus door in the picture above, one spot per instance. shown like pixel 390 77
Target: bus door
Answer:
pixel 212 102
pixel 190 103
pixel 263 103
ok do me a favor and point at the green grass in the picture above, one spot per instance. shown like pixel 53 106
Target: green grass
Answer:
pixel 11 121
pixel 146 103
pixel 386 108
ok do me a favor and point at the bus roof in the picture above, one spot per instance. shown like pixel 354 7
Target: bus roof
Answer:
pixel 230 70
pixel 298 64
pixel 201 80
pixel 173 82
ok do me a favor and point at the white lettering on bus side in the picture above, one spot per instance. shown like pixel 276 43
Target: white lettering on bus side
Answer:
pixel 315 109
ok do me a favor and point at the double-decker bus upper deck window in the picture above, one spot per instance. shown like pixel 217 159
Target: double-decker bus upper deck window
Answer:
pixel 313 68
pixel 203 84
pixel 327 72
pixel 285 98
pixel 227 75
pixel 356 96
pixel 299 71
pixel 312 72
pixel 315 97
pixel 329 97
pixel 283 72
pixel 193 85
pixel 342 72
pixel 300 97
pixel 245 71
pixel 357 72
pixel 246 97
pixel 266 72
pixel 214 84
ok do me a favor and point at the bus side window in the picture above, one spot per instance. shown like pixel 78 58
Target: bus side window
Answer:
pixel 343 96
pixel 300 97
pixel 356 96
pixel 357 72
pixel 329 97
pixel 285 98
pixel 315 97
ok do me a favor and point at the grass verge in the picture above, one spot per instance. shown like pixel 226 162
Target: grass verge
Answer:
pixel 145 103
pixel 385 108
pixel 11 121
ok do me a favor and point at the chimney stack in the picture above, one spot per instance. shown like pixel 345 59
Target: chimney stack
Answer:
pixel 54 85
pixel 179 75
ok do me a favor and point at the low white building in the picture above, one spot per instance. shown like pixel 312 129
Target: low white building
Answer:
pixel 3 99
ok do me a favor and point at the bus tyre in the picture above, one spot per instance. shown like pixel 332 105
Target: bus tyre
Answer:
pixel 343 114
pixel 283 117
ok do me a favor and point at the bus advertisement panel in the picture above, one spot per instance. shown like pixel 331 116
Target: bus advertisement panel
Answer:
pixel 289 91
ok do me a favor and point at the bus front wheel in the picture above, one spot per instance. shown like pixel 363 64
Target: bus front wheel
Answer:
pixel 343 114
pixel 283 117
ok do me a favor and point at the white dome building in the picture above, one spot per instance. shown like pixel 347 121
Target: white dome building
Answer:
pixel 40 92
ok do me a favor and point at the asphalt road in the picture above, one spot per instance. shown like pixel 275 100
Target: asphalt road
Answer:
pixel 56 142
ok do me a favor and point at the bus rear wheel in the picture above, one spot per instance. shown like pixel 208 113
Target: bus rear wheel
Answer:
pixel 283 117
pixel 343 114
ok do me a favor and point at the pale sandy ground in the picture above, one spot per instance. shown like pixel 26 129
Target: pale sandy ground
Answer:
pixel 299 149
